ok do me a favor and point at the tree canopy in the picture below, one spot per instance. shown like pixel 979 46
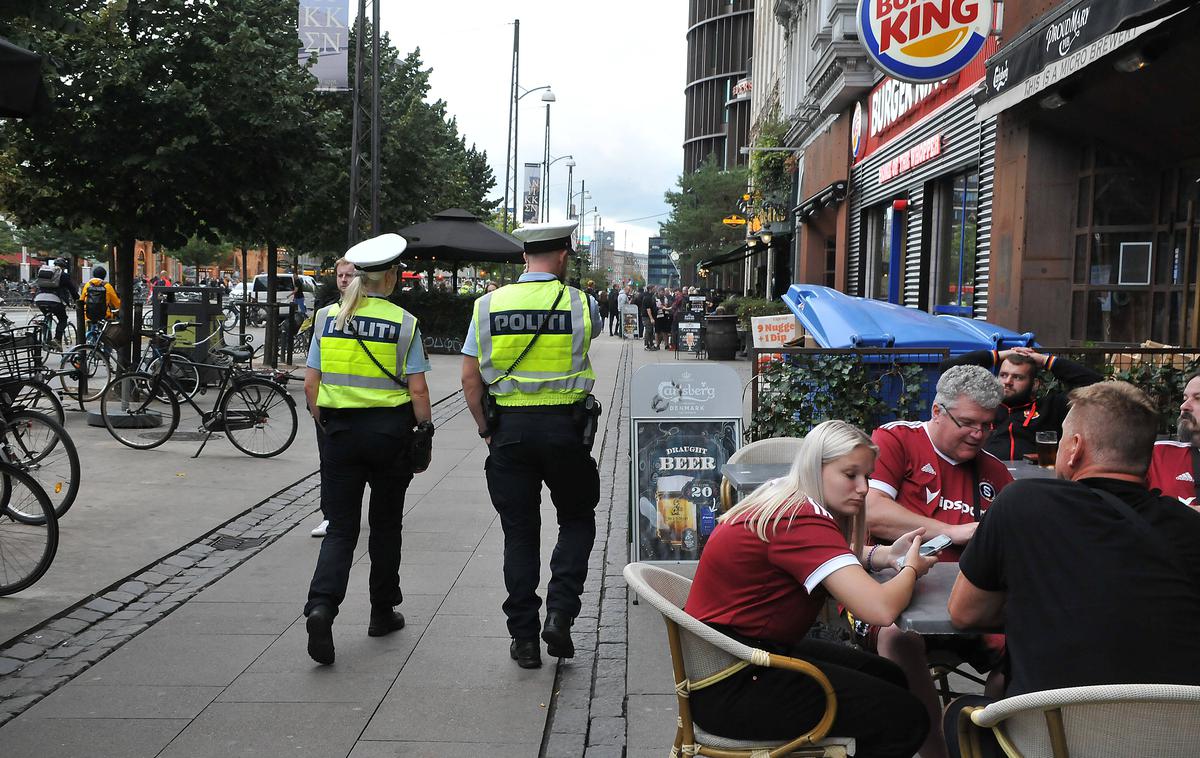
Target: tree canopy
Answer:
pixel 704 198
pixel 175 120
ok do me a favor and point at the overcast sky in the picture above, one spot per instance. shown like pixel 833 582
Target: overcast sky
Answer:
pixel 616 68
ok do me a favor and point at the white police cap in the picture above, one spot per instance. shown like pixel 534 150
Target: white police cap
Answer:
pixel 545 238
pixel 378 253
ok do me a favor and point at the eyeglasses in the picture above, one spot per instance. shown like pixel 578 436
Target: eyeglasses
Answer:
pixel 983 428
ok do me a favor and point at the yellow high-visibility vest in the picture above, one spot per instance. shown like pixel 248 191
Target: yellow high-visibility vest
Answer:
pixel 349 378
pixel 557 370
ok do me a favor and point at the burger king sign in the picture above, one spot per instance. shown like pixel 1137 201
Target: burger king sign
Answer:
pixel 923 40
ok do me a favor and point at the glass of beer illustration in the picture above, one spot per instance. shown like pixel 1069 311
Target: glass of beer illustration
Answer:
pixel 676 513
pixel 1047 448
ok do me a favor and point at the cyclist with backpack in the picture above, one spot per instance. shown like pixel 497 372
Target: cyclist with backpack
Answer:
pixel 99 299
pixel 54 290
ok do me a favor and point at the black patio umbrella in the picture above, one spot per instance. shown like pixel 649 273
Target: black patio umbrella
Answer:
pixel 22 92
pixel 456 235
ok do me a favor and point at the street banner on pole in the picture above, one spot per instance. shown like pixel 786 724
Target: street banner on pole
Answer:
pixel 324 32
pixel 686 422
pixel 533 193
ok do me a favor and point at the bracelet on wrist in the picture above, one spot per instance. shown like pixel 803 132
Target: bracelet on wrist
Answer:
pixel 870 558
pixel 916 576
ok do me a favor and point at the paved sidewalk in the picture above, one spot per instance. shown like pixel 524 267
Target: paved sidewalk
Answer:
pixel 201 650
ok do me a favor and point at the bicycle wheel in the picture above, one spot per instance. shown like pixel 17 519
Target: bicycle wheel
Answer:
pixel 183 371
pixel 26 548
pixel 134 414
pixel 41 447
pixel 32 395
pixel 94 360
pixel 230 313
pixel 70 336
pixel 259 417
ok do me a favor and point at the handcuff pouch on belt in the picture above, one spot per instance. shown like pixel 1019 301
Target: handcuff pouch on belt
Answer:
pixel 586 415
pixel 421 446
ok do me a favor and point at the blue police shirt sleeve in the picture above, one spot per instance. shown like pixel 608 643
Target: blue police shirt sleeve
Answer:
pixel 314 354
pixel 470 346
pixel 416 362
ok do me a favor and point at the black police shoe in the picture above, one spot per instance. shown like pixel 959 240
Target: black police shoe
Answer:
pixel 527 653
pixel 385 622
pixel 557 634
pixel 320 634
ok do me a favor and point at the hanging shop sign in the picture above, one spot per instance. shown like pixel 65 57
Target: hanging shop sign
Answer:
pixel 923 40
pixel 686 422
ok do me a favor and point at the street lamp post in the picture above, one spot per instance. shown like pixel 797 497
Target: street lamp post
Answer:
pixel 570 184
pixel 546 171
pixel 510 160
pixel 546 181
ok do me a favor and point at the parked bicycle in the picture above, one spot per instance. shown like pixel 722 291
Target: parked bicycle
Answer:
pixel 253 409
pixel 42 448
pixel 28 530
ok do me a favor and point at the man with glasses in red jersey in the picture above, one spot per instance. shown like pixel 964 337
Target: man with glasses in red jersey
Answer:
pixel 936 474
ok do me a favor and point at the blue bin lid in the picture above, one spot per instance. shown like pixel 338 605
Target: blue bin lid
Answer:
pixel 837 320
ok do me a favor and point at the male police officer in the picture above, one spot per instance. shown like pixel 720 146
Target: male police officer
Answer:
pixel 527 380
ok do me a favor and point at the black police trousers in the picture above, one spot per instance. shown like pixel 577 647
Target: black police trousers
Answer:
pixel 526 450
pixel 352 459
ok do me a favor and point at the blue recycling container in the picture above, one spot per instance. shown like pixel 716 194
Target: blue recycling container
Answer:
pixel 836 320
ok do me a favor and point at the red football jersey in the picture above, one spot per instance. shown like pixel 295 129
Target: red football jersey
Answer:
pixel 914 473
pixel 1171 471
pixel 769 590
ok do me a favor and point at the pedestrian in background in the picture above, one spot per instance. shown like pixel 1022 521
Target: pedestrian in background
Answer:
pixel 614 311
pixel 527 379
pixel 368 415
pixel 622 301
pixel 602 302
pixel 343 272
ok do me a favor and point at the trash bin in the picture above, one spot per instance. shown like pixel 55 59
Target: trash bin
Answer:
pixel 721 338
pixel 199 305
pixel 834 319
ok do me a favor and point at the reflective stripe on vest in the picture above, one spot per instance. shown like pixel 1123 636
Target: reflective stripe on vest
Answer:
pixel 349 378
pixel 557 369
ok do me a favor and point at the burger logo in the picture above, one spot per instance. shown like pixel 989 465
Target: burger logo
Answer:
pixel 923 40
pixel 856 130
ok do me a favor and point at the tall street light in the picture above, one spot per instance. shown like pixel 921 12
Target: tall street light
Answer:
pixel 570 184
pixel 546 164
pixel 510 161
pixel 546 181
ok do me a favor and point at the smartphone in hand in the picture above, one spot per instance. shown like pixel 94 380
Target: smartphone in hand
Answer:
pixel 929 547
pixel 935 545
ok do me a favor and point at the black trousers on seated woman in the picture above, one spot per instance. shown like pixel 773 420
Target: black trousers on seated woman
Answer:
pixel 874 705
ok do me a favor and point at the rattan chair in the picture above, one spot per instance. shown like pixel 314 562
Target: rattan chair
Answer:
pixel 774 450
pixel 699 653
pixel 1160 720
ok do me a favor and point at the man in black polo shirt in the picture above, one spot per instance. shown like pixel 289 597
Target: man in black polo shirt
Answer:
pixel 1094 578
pixel 1026 410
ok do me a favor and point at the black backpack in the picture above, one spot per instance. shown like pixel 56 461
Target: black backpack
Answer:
pixel 95 303
pixel 48 278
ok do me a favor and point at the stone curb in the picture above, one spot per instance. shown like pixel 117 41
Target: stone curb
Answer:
pixel 587 714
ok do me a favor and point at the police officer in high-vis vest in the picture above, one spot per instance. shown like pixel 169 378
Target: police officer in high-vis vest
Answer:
pixel 366 387
pixel 527 380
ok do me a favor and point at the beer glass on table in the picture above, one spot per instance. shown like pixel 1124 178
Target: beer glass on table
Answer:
pixel 1047 448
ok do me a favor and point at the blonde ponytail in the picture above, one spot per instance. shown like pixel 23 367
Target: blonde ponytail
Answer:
pixel 363 283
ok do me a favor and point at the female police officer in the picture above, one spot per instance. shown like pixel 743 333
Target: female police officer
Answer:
pixel 366 387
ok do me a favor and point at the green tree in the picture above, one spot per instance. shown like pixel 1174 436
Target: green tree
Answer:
pixel 199 252
pixel 704 197
pixel 84 242
pixel 171 120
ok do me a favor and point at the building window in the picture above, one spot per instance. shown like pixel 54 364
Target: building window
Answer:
pixel 1135 250
pixel 958 206
pixel 879 220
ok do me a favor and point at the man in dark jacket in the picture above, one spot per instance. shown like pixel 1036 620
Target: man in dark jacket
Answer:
pixel 1023 413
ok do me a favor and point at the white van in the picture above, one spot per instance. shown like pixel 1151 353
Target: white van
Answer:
pixel 284 287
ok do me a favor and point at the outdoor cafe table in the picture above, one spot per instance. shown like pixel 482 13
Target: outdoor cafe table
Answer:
pixel 927 613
